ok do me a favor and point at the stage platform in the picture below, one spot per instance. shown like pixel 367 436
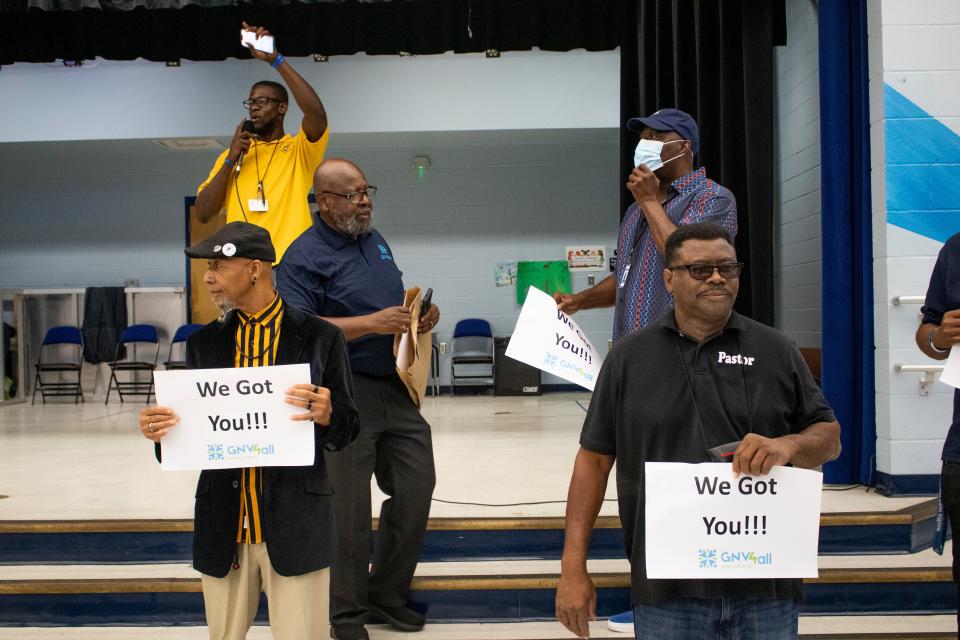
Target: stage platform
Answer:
pixel 93 533
pixel 89 462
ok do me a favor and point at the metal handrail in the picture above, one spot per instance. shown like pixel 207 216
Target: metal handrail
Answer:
pixel 919 368
pixel 926 372
pixel 908 300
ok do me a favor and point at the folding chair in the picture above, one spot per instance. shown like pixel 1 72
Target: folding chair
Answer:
pixel 472 345
pixel 180 337
pixel 134 335
pixel 61 339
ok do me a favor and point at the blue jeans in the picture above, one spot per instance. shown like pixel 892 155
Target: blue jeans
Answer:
pixel 723 619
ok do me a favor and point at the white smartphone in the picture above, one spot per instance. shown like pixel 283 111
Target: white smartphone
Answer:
pixel 264 44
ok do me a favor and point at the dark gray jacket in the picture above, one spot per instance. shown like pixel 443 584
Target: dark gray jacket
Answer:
pixel 297 509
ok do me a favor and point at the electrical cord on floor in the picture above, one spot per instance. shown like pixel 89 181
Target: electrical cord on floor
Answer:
pixel 509 504
pixel 843 487
pixel 533 504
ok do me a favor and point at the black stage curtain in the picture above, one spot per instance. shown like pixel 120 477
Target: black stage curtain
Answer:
pixel 714 60
pixel 331 28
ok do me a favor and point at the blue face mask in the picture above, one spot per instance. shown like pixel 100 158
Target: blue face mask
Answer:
pixel 648 154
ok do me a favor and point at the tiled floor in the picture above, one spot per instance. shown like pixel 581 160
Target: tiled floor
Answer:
pixel 62 461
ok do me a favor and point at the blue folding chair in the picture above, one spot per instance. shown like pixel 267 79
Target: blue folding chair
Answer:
pixel 472 345
pixel 63 340
pixel 134 335
pixel 180 338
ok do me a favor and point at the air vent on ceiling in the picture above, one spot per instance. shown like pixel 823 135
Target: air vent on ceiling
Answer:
pixel 189 144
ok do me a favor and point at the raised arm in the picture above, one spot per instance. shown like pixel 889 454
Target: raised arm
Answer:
pixel 314 115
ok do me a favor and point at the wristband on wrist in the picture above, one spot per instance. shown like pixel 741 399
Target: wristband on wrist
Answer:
pixel 228 162
pixel 933 346
pixel 277 61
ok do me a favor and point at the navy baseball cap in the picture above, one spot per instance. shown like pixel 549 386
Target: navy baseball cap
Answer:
pixel 670 120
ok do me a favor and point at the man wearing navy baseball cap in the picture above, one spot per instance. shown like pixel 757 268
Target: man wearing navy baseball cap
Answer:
pixel 667 192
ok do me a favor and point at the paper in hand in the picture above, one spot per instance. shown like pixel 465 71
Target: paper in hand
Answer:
pixel 951 369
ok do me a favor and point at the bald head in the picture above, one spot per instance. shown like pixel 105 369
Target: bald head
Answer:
pixel 334 174
pixel 336 182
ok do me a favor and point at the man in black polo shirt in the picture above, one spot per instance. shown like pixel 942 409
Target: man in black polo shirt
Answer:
pixel 936 336
pixel 342 270
pixel 699 377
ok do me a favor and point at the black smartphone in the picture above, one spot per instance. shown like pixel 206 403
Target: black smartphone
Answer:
pixel 425 302
pixel 723 452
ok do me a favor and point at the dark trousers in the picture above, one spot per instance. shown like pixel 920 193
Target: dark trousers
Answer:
pixel 720 619
pixel 950 494
pixel 394 444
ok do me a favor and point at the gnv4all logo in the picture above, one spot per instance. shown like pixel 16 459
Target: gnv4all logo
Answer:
pixel 707 558
pixel 553 360
pixel 711 559
pixel 239 451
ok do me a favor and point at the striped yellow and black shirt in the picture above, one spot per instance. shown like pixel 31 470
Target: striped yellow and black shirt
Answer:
pixel 256 346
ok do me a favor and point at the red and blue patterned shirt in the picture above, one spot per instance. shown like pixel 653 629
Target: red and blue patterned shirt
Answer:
pixel 641 294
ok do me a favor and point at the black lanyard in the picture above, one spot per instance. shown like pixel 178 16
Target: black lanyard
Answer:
pixel 693 396
pixel 256 159
pixel 260 191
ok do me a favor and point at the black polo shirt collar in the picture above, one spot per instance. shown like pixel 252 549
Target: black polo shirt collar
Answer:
pixel 669 321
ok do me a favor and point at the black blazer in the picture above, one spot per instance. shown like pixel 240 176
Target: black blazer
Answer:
pixel 297 509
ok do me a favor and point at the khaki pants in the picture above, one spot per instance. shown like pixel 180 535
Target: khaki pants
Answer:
pixel 298 605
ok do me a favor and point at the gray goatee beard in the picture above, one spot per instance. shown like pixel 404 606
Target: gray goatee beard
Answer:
pixel 225 308
pixel 352 225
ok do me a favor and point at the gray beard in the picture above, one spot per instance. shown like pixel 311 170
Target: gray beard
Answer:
pixel 225 309
pixel 351 225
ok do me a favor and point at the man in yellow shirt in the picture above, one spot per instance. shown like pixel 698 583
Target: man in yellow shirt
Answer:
pixel 265 176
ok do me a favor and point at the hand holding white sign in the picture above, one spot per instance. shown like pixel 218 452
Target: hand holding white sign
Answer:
pixel 550 340
pixel 703 521
pixel 951 369
pixel 236 417
pixel 156 421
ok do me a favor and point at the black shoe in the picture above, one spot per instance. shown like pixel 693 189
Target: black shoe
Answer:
pixel 400 618
pixel 348 632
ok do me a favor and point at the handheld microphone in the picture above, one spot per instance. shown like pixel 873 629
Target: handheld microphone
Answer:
pixel 248 128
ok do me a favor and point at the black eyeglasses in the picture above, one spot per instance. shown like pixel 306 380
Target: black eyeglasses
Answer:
pixel 260 101
pixel 355 197
pixel 701 271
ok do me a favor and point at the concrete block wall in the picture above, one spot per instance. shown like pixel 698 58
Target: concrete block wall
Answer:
pixel 797 137
pixel 914 50
pixel 99 213
pixel 505 196
pixel 109 100
pixel 78 214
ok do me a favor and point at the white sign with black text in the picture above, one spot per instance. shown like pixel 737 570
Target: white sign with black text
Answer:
pixel 232 418
pixel 702 522
pixel 549 339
